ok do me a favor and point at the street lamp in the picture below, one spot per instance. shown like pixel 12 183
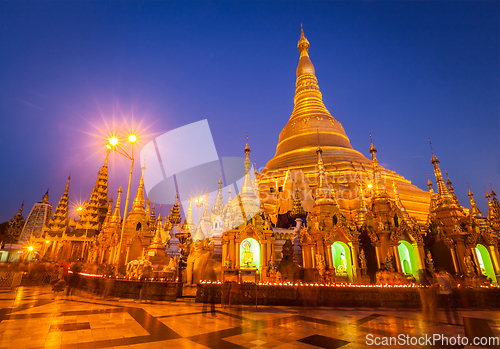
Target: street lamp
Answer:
pixel 114 145
pixel 199 202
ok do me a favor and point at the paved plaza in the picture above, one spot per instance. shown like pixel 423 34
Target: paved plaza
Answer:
pixel 30 317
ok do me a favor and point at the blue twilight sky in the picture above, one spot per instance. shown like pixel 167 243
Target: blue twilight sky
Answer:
pixel 71 72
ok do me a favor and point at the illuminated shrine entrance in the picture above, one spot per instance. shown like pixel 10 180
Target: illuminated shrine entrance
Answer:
pixel 485 265
pixel 341 257
pixel 407 258
pixel 250 254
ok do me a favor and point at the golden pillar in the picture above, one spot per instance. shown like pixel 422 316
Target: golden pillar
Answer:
pixel 329 255
pixel 127 255
pixel 224 252
pixel 237 256
pixel 354 246
pixel 494 258
pixel 397 259
pixel 419 253
pixel 313 256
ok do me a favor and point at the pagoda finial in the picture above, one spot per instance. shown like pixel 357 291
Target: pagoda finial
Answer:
pixel 444 195
pixel 139 203
pixel 373 150
pixel 45 199
pixel 323 193
pixel 218 207
pixel 429 183
pixel 493 194
pixel 434 158
pixel 108 150
pixel 487 196
pixel 303 44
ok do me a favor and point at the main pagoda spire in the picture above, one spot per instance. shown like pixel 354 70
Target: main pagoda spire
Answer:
pixel 309 114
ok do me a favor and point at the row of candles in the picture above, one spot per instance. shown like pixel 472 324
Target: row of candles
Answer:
pixel 290 284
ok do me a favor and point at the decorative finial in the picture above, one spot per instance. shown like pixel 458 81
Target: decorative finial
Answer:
pixel 372 147
pixel 434 158
pixel 247 148
pixel 303 45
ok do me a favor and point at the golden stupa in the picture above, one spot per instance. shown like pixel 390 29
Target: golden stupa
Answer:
pixel 311 126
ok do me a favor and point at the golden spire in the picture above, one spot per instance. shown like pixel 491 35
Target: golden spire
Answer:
pixel 247 199
pixel 474 210
pixel 109 214
pixel 450 189
pixel 494 198
pixel 377 182
pixel 493 209
pixel 228 211
pixel 45 199
pixel 308 114
pixel 429 184
pixel 323 193
pixel 362 210
pixel 189 216
pixel 116 218
pixel 175 216
pixel 138 206
pixel 297 210
pixel 218 207
pixel 157 239
pixel 444 196
pixel 205 215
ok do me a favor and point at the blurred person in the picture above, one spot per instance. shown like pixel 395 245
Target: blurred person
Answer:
pixel 428 295
pixel 446 297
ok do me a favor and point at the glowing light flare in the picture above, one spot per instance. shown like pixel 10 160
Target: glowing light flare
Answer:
pixel 113 141
pixel 30 248
pixel 370 186
pixel 132 138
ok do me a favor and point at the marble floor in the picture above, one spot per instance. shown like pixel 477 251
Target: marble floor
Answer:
pixel 30 317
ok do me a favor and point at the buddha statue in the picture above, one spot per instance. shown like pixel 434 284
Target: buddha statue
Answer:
pixel 363 263
pixel 247 256
pixel 342 268
pixel 199 255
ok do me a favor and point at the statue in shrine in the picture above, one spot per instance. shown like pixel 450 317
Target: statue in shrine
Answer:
pixel 228 263
pixel 272 265
pixel 469 266
pixel 278 276
pixel 363 263
pixel 328 277
pixel 199 255
pixel 320 264
pixel 389 262
pixel 172 264
pixel 342 268
pixel 290 270
pixel 429 263
pixel 247 255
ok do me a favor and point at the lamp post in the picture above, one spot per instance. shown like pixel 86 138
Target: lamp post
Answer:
pixel 199 202
pixel 114 145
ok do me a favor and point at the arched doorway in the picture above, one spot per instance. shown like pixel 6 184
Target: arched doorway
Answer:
pixel 250 254
pixel 485 265
pixel 407 258
pixel 341 256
